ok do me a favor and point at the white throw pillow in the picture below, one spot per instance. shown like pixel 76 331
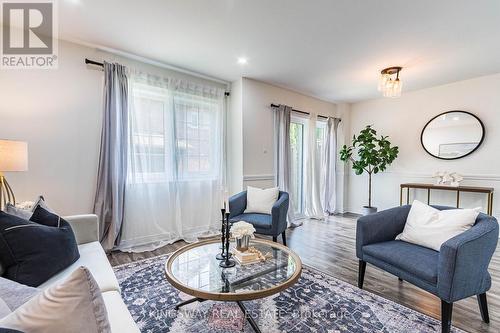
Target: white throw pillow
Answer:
pixel 431 227
pixel 261 200
pixel 73 306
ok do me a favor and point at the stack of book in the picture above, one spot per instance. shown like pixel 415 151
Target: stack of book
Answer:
pixel 246 258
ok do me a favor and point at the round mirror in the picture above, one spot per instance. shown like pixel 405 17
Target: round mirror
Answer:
pixel 452 135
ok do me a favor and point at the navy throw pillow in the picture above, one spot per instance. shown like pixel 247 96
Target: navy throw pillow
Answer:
pixel 34 251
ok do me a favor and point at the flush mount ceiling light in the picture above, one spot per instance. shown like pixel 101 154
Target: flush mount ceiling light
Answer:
pixel 242 61
pixel 389 83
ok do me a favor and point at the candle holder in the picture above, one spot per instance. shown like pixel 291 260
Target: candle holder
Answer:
pixel 227 262
pixel 221 256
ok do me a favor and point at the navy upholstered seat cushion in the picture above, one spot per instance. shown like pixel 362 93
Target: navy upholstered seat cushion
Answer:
pixel 259 221
pixel 414 259
pixel 33 251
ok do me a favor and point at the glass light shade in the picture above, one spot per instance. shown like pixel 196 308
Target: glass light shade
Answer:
pixel 13 155
pixel 383 81
pixel 396 88
pixel 387 91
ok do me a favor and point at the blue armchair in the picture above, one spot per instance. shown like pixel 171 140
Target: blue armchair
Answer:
pixel 457 271
pixel 273 224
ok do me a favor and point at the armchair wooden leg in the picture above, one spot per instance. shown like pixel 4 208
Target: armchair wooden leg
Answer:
pixel 283 235
pixel 275 239
pixel 446 311
pixel 483 307
pixel 361 273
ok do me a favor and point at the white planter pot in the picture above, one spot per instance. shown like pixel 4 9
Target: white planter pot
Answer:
pixel 369 210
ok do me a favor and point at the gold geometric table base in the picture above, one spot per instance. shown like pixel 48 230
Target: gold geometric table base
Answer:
pixel 6 193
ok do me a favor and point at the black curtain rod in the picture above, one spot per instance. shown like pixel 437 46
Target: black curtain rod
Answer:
pixel 100 64
pixel 299 111
pixel 92 62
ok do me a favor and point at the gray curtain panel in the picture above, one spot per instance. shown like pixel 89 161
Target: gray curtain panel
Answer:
pixel 329 193
pixel 112 170
pixel 282 117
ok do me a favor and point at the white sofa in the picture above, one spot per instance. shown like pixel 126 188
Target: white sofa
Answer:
pixel 92 256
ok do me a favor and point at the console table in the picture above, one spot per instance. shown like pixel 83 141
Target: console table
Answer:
pixel 486 190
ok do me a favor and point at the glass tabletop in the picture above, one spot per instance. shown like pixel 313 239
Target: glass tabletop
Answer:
pixel 195 270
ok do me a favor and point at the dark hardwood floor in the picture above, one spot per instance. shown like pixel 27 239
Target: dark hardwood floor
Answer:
pixel 330 247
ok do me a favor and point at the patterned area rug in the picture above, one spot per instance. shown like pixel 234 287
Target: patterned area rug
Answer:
pixel 317 303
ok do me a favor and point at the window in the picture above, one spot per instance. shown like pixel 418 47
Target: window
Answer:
pixel 173 135
pixel 148 141
pixel 196 143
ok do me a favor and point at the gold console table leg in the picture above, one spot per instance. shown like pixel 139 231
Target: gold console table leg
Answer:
pixel 490 203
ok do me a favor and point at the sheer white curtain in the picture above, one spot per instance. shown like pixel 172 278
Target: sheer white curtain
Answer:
pixel 176 176
pixel 313 207
pixel 329 167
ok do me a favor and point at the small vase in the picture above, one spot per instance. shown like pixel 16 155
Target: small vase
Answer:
pixel 242 243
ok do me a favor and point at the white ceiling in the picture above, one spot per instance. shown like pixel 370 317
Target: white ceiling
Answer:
pixel 332 49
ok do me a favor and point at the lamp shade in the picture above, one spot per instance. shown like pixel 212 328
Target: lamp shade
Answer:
pixel 13 155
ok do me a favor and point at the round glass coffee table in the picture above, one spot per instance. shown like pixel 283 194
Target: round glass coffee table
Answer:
pixel 194 270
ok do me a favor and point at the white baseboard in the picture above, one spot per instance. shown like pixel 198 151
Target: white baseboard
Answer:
pixel 259 177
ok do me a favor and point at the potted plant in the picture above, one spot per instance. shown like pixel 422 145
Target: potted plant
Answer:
pixel 374 155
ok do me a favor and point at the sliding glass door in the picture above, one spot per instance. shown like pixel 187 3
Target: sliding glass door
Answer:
pixel 297 161
pixel 299 128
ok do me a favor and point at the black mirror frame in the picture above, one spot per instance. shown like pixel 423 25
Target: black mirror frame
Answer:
pixel 454 158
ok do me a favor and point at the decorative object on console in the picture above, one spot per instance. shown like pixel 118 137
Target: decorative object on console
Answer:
pixel 446 178
pixel 389 85
pixel 456 179
pixel 242 232
pixel 375 154
pixel 13 158
pixel 452 135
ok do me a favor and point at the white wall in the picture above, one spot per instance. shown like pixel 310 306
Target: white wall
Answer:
pixel 403 119
pixel 58 112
